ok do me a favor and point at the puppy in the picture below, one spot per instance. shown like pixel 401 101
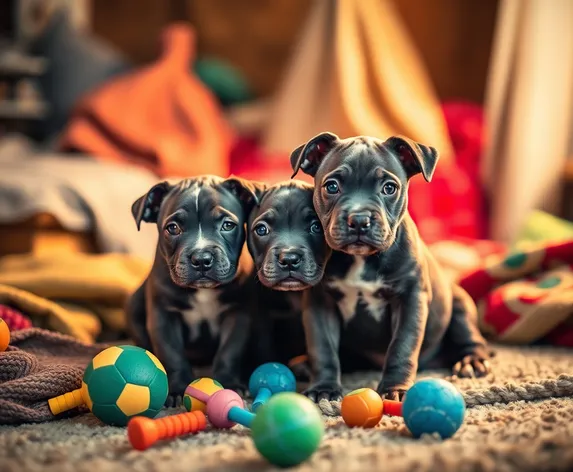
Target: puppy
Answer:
pixel 286 242
pixel 383 292
pixel 192 309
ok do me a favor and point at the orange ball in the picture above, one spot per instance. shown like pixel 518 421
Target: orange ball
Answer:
pixel 362 408
pixel 4 335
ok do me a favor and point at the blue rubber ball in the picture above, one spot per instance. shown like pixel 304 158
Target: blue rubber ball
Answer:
pixel 274 376
pixel 433 406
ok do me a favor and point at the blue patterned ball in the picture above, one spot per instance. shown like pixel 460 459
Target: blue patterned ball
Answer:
pixel 274 376
pixel 433 406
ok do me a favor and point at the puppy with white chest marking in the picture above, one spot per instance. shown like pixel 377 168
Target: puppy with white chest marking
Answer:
pixel 286 241
pixel 383 292
pixel 192 308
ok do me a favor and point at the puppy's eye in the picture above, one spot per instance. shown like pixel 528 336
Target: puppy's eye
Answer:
pixel 315 228
pixel 331 187
pixel 389 188
pixel 261 230
pixel 173 229
pixel 228 226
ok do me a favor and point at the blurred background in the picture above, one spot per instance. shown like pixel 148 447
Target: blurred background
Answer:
pixel 100 99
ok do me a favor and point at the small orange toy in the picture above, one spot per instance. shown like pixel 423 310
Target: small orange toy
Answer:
pixel 143 432
pixel 364 408
pixel 4 335
pixel 392 408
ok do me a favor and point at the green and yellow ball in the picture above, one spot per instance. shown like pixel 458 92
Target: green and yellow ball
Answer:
pixel 206 385
pixel 122 382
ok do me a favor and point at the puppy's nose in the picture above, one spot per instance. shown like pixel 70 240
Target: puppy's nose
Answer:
pixel 359 222
pixel 289 259
pixel 202 260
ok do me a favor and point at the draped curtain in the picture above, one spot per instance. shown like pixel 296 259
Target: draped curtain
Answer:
pixel 529 111
pixel 356 71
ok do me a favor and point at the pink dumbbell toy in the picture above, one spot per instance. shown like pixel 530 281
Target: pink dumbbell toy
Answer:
pixel 225 408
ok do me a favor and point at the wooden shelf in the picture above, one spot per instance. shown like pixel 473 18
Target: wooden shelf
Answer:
pixel 14 64
pixel 22 110
pixel 43 234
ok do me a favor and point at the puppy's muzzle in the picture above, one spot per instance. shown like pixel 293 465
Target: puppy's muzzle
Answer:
pixel 202 260
pixel 359 223
pixel 288 268
pixel 357 231
pixel 289 259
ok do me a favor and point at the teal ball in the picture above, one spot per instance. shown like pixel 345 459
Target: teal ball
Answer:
pixel 433 406
pixel 287 429
pixel 273 376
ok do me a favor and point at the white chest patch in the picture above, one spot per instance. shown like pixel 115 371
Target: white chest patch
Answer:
pixel 206 307
pixel 354 289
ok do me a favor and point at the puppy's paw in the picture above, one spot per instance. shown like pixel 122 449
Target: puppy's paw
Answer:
pixel 473 365
pixel 177 385
pixel 232 383
pixel 236 386
pixel 395 394
pixel 331 391
pixel 173 401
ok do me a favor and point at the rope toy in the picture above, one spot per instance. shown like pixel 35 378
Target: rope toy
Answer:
pixel 562 386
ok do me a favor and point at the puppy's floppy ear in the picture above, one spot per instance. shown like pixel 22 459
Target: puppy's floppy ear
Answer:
pixel 260 188
pixel 249 192
pixel 309 156
pixel 146 208
pixel 415 157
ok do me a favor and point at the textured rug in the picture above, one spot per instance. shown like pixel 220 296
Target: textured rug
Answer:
pixel 520 435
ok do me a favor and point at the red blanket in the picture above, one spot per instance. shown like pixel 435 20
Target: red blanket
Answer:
pixel 453 204
pixel 527 296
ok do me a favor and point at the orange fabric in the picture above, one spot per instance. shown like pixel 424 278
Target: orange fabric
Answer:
pixel 160 117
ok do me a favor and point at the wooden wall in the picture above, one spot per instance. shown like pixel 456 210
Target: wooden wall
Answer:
pixel 257 36
pixel 454 38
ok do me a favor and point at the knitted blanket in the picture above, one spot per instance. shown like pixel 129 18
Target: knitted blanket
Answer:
pixel 39 365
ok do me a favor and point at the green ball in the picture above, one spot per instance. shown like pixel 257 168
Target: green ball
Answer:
pixel 122 382
pixel 287 429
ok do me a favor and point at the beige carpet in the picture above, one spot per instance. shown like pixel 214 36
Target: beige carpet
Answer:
pixel 520 436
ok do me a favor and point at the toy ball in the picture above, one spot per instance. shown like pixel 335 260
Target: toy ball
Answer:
pixel 122 382
pixel 362 408
pixel 269 379
pixel 206 385
pixel 287 429
pixel 220 404
pixel 4 335
pixel 433 406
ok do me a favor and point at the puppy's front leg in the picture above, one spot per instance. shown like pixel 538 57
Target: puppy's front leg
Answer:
pixel 228 362
pixel 322 327
pixel 261 344
pixel 466 345
pixel 166 334
pixel 409 325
